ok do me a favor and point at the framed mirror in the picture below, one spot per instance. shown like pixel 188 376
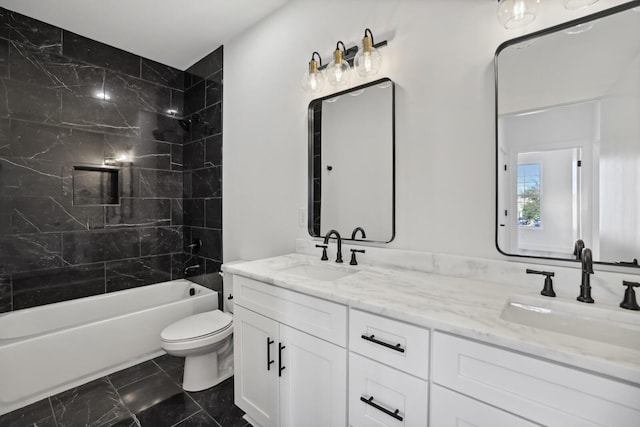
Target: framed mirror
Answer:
pixel 568 139
pixel 352 162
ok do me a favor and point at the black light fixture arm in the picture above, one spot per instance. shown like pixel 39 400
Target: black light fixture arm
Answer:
pixel 350 53
pixel 315 53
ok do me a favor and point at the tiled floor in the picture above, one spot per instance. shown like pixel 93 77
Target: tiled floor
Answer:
pixel 147 395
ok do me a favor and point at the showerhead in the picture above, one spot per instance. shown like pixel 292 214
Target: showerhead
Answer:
pixel 185 124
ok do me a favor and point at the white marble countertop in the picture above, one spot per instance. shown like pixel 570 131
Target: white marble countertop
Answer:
pixel 460 306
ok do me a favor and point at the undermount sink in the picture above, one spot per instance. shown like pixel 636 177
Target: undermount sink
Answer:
pixel 602 324
pixel 318 273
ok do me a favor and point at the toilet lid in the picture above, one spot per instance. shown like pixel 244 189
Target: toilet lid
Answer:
pixel 197 326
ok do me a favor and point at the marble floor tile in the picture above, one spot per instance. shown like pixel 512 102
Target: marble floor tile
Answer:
pixel 133 374
pixel 37 414
pixel 148 392
pixel 168 412
pixel 218 402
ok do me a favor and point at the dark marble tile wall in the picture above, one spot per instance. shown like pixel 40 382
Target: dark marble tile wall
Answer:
pixel 68 101
pixel 202 168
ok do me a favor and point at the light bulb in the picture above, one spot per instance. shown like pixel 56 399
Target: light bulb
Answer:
pixel 578 4
pixel 313 79
pixel 338 71
pixel 517 13
pixel 368 59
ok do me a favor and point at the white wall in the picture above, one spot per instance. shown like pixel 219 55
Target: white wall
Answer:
pixel 440 55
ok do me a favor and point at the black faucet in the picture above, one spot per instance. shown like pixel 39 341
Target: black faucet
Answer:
pixel 587 269
pixel 326 242
pixel 355 231
pixel 577 248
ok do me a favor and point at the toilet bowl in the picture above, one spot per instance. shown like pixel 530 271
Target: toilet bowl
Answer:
pixel 205 340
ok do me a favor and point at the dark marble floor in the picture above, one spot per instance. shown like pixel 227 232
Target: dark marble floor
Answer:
pixel 147 395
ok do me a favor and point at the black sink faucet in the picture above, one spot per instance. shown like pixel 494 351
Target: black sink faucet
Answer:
pixel 355 231
pixel 587 270
pixel 326 242
pixel 577 248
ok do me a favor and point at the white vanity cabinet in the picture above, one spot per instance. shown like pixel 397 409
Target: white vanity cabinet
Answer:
pixel 290 356
pixel 537 390
pixel 388 372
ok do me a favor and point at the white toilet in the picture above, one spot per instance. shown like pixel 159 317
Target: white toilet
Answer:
pixel 205 340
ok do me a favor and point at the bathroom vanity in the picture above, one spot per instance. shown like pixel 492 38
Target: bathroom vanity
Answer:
pixel 323 344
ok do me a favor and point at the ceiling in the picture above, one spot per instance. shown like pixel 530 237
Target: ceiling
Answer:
pixel 176 33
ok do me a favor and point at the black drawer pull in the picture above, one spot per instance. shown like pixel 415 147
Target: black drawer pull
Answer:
pixel 280 367
pixel 269 361
pixel 370 402
pixel 373 339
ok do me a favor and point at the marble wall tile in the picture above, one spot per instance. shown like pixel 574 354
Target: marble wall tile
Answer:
pixel 138 212
pixel 194 99
pixel 36 141
pixel 206 123
pixel 193 155
pixel 143 153
pixel 35 288
pixel 178 265
pixel 162 74
pixel 177 161
pixel 211 242
pixel 29 31
pixel 21 215
pixel 95 186
pixel 4 58
pixel 214 89
pixel 100 245
pixel 177 103
pixel 177 212
pixel 159 183
pixel 22 178
pixel 53 71
pixel 194 212
pixel 210 64
pixel 127 90
pixel 99 116
pixel 206 182
pixel 5 137
pixel 160 127
pixel 213 213
pixel 28 102
pixel 137 272
pixel 160 240
pixel 5 294
pixel 186 184
pixel 213 150
pixel 27 252
pixel 87 50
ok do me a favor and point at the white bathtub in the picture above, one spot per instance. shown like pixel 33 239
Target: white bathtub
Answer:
pixel 51 348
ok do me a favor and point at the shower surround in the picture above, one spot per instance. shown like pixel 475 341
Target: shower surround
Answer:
pixel 93 192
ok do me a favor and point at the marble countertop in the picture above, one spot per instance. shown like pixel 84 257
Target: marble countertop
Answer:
pixel 460 306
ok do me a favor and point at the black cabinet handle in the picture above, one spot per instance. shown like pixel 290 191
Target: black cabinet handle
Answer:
pixel 372 338
pixel 269 361
pixel 280 367
pixel 370 402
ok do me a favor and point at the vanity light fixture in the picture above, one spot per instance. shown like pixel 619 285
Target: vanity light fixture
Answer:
pixel 338 70
pixel 578 4
pixel 313 79
pixel 368 59
pixel 517 13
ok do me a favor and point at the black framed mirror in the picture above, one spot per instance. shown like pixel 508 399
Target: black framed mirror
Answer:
pixel 568 139
pixel 352 162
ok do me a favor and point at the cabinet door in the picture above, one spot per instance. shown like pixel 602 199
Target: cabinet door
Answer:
pixel 451 409
pixel 255 343
pixel 313 387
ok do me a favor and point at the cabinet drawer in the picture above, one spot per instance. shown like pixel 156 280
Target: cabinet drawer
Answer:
pixel 391 390
pixel 323 319
pixel 451 409
pixel 538 390
pixel 412 355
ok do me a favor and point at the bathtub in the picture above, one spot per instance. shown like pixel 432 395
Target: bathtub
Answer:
pixel 52 348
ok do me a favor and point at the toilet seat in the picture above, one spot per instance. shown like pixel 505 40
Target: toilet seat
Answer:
pixel 198 327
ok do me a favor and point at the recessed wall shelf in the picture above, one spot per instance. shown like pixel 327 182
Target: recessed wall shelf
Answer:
pixel 95 185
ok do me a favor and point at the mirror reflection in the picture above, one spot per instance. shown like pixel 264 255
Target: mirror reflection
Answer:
pixel 568 139
pixel 351 162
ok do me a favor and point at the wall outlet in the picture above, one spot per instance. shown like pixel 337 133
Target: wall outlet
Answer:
pixel 302 217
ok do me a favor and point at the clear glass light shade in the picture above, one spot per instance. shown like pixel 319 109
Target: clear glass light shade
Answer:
pixel 367 63
pixel 578 4
pixel 517 13
pixel 338 70
pixel 313 81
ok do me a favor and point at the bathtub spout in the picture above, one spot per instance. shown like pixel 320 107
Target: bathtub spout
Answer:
pixel 191 267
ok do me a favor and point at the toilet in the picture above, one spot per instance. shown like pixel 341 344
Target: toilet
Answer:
pixel 205 340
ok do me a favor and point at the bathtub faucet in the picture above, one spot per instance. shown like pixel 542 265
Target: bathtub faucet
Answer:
pixel 191 267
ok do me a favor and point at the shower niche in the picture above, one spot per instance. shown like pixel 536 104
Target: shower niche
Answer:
pixel 96 185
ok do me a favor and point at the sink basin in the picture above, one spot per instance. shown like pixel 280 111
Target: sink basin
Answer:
pixel 318 273
pixel 602 324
